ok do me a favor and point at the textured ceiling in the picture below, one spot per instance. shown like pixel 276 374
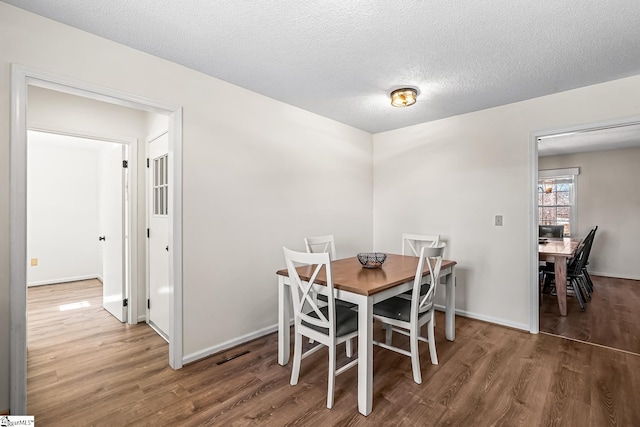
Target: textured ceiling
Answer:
pixel 341 58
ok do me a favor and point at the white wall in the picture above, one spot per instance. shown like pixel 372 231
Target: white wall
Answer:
pixel 62 210
pixel 258 175
pixel 452 176
pixel 609 197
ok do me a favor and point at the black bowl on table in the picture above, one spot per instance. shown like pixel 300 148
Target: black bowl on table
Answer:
pixel 372 259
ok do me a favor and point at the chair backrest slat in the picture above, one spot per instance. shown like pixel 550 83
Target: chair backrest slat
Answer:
pixel 433 257
pixel 321 244
pixel 579 261
pixel 415 242
pixel 590 237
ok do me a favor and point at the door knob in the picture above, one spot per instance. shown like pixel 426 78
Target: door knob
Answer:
pixel 101 238
pixel 167 248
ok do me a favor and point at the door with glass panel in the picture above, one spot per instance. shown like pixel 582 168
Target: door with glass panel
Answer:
pixel 158 296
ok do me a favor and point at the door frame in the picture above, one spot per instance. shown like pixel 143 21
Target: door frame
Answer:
pixel 21 78
pixel 534 308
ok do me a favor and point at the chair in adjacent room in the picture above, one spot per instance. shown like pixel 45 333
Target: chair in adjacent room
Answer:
pixel 591 237
pixel 551 231
pixel 576 281
pixel 408 316
pixel 548 231
pixel 329 325
pixel 547 271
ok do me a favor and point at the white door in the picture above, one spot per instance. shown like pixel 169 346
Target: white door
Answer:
pixel 112 213
pixel 158 213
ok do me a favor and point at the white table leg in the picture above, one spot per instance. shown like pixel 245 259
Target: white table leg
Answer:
pixel 450 311
pixel 284 314
pixel 365 355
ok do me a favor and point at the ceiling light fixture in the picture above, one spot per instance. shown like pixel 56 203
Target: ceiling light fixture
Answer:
pixel 404 97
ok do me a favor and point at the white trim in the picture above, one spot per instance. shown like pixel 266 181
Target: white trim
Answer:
pixel 158 331
pixel 65 280
pixel 21 77
pixel 534 308
pixel 614 275
pixel 534 288
pixel 155 136
pixel 189 358
pixel 83 134
pixel 176 358
pixel 18 244
pixel 585 127
pixel 552 173
pixel 495 320
pixel 229 344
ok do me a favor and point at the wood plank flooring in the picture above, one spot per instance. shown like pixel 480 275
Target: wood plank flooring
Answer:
pixel 85 368
pixel 611 318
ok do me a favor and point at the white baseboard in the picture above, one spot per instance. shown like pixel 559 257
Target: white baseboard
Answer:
pixel 615 276
pixel 64 280
pixel 228 344
pixel 274 328
pixel 158 331
pixel 497 321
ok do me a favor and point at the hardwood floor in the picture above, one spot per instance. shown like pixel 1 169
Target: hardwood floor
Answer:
pixel 611 318
pixel 85 368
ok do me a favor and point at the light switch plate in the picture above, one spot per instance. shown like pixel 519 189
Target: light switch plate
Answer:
pixel 498 220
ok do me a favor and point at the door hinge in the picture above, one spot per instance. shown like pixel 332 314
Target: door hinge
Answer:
pixel 148 233
pixel 148 303
pixel 125 164
pixel 125 302
pixel 147 162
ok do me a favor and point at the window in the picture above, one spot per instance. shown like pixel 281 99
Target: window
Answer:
pixel 160 186
pixel 557 198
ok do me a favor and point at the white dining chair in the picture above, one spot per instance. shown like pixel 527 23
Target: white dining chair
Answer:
pixel 330 325
pixel 412 243
pixel 409 316
pixel 321 244
pixel 327 244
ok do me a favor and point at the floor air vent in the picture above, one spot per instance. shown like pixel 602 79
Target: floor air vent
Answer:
pixel 235 356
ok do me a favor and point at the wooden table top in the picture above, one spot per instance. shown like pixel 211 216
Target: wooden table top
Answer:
pixel 350 276
pixel 563 247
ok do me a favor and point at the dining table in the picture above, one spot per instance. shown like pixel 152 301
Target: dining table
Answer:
pixel 559 251
pixel 364 287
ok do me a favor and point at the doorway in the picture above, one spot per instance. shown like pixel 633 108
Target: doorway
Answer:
pixel 606 154
pixel 22 78
pixel 78 215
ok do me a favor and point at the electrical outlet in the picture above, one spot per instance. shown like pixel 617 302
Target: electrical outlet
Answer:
pixel 34 262
pixel 498 220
